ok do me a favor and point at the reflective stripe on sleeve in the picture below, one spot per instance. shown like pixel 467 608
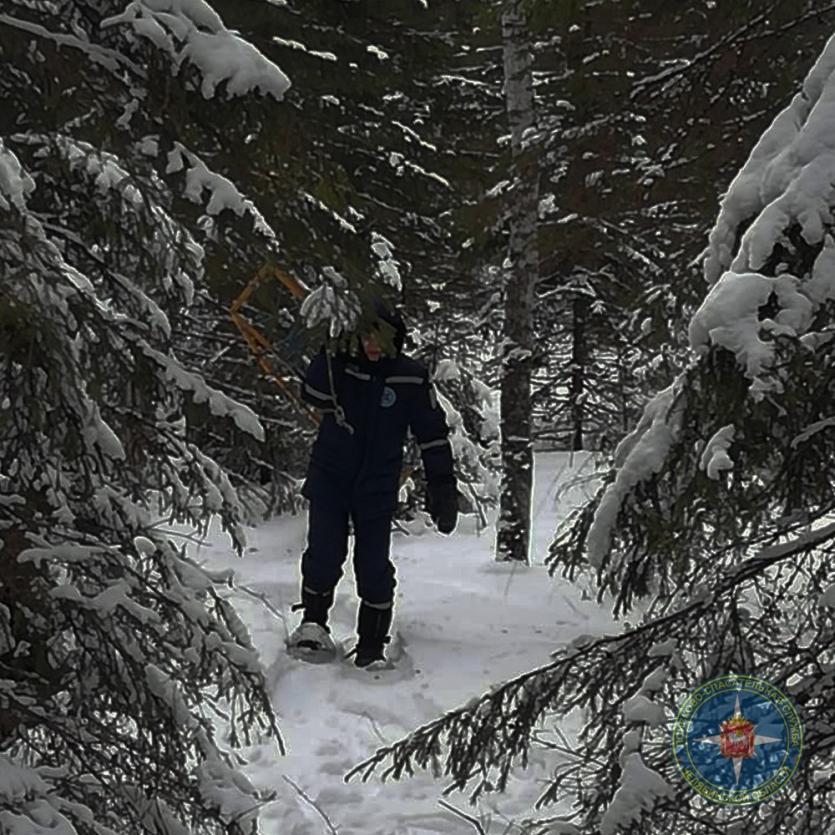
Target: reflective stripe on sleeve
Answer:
pixel 405 379
pixel 431 444
pixel 316 393
pixel 358 374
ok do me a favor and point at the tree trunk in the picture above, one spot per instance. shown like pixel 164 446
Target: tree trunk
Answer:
pixel 513 529
pixel 579 362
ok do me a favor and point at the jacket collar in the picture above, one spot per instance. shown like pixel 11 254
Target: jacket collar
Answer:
pixel 384 365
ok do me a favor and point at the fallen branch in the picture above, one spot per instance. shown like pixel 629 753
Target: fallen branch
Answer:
pixel 306 797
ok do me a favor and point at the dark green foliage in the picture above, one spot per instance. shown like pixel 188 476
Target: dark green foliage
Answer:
pixel 715 575
pixel 121 659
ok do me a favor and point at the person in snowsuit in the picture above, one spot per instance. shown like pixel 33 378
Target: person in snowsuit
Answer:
pixel 367 402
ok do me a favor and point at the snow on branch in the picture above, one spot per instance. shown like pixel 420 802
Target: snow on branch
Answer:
pixel 771 255
pixel 786 189
pixel 729 317
pixel 399 162
pixel 219 404
pixel 387 269
pixel 15 183
pixel 637 457
pixel 110 59
pixel 190 30
pixel 224 194
pixel 715 457
pixel 30 805
pixel 332 302
pixel 639 787
pixel 297 45
pixel 344 224
pixel 787 178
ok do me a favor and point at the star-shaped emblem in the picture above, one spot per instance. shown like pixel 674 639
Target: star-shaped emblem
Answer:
pixel 746 734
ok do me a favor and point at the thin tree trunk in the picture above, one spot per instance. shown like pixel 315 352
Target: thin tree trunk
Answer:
pixel 579 361
pixel 513 529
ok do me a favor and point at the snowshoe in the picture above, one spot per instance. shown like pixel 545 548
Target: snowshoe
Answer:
pixel 371 657
pixel 311 642
pixel 395 665
pixel 373 622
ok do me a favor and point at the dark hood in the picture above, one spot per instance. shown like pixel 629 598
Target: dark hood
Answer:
pixel 392 317
pixel 381 310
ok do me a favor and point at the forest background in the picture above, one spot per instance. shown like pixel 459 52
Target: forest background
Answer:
pixel 534 183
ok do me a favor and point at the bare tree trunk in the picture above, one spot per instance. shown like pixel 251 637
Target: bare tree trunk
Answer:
pixel 579 362
pixel 513 529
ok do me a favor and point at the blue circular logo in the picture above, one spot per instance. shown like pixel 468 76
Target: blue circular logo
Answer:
pixel 737 740
pixel 388 397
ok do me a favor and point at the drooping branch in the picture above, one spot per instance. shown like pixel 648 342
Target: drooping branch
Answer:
pixel 482 741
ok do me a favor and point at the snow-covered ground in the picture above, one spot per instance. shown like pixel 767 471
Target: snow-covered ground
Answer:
pixel 464 621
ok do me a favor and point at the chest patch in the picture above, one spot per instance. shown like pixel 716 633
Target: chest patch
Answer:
pixel 388 397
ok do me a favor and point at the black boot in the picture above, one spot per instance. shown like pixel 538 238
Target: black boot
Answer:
pixel 316 605
pixel 373 624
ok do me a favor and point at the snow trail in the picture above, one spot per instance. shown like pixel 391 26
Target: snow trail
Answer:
pixel 465 623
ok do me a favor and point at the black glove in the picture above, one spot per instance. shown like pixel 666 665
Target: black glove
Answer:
pixel 442 505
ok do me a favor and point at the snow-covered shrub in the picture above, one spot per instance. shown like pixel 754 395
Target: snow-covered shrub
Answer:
pixel 472 409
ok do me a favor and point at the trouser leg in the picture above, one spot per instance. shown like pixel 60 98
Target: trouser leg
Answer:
pixel 373 567
pixel 375 576
pixel 322 560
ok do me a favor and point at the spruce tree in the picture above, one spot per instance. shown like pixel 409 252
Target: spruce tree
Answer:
pixel 121 659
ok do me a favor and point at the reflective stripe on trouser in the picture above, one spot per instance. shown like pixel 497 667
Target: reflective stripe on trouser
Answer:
pixel 327 549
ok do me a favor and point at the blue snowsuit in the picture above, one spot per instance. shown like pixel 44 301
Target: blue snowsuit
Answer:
pixel 356 471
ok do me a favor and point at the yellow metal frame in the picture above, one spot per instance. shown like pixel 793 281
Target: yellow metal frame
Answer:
pixel 259 345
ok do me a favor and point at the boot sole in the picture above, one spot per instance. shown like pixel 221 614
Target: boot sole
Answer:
pixel 377 665
pixel 397 666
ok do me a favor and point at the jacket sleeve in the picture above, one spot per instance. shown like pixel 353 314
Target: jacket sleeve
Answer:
pixel 316 387
pixel 428 424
